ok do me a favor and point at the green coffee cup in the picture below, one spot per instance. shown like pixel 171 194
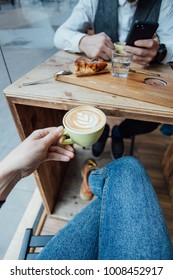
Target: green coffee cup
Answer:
pixel 83 125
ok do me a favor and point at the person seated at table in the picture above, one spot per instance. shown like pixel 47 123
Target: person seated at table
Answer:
pixel 109 21
pixel 125 221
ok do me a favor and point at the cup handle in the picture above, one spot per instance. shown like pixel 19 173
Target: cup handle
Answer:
pixel 68 140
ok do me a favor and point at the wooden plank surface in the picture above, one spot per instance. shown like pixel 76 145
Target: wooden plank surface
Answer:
pixel 168 167
pixel 64 96
pixel 133 86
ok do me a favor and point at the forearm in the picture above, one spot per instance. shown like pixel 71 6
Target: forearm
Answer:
pixel 165 29
pixel 69 34
pixel 8 178
pixel 67 40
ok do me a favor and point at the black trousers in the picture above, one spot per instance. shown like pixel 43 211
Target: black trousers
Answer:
pixel 131 127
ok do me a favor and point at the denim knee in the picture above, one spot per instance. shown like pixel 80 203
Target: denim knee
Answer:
pixel 124 174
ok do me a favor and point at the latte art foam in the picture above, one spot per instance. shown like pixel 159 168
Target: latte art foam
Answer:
pixel 84 119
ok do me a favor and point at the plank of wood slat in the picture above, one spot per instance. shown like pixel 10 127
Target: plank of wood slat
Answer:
pixel 133 86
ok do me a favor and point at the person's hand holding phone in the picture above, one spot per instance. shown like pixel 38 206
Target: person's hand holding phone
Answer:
pixel 143 42
pixel 144 51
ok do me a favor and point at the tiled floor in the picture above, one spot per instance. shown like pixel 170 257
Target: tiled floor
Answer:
pixel 26 39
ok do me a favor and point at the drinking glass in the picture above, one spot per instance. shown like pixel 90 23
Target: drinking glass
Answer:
pixel 120 63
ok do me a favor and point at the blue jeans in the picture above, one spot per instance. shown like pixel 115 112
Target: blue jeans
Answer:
pixel 125 222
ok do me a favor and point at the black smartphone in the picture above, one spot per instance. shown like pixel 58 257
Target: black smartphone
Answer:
pixel 141 30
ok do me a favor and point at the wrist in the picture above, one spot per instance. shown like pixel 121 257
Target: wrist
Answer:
pixel 82 43
pixel 8 178
pixel 161 54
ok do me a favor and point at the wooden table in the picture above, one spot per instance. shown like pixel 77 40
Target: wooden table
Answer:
pixel 43 105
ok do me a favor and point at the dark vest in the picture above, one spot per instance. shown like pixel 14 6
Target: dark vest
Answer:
pixel 106 19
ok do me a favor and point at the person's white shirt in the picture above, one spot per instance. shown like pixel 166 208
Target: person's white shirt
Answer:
pixel 69 34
